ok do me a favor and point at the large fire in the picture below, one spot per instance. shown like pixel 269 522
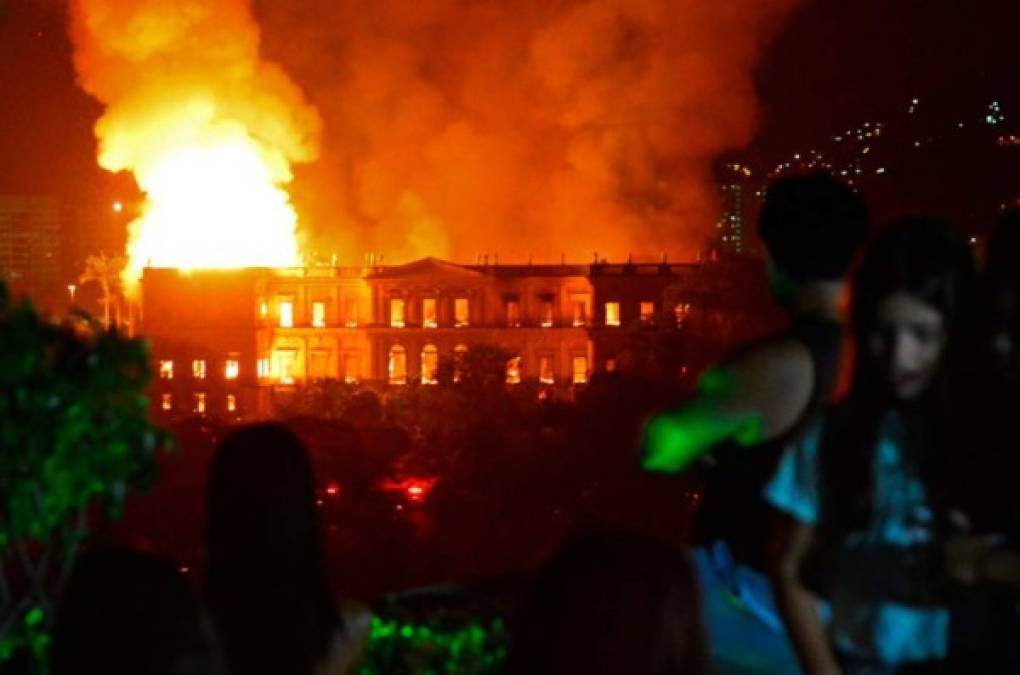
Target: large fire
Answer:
pixel 208 129
pixel 213 206
pixel 453 127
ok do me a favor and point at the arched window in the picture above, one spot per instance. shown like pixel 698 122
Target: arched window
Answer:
pixel 398 365
pixel 459 354
pixel 513 370
pixel 429 365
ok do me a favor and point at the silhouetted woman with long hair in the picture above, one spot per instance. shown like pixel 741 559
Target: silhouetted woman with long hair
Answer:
pixel 872 475
pixel 265 586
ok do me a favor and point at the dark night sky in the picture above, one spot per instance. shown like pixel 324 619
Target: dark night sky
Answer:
pixel 835 64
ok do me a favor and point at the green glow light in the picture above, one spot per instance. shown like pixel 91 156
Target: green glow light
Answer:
pixel 394 646
pixel 675 438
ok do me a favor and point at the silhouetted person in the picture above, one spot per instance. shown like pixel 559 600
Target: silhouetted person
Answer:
pixel 986 614
pixel 865 490
pixel 130 613
pixel 611 604
pixel 265 585
pixel 751 405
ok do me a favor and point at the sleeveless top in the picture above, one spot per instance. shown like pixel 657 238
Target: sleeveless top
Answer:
pixel 732 508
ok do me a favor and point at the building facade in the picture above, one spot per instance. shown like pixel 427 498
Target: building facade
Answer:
pixel 30 245
pixel 223 341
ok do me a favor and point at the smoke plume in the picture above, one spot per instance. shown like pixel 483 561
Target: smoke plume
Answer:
pixel 454 127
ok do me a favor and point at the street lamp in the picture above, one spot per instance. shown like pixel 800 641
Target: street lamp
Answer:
pixel 71 288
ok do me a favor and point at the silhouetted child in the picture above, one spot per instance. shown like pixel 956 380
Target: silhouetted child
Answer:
pixel 265 586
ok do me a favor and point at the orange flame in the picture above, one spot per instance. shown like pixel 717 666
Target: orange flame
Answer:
pixel 209 130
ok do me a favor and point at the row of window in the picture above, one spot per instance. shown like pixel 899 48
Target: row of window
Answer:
pixel 286 313
pixel 512 313
pixel 283 367
pixel 231 369
pixel 199 402
pixel 461 313
pixel 397 372
pixel 429 312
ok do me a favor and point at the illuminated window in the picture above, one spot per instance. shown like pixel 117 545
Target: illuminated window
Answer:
pixel 262 366
pixel 286 313
pixel 285 365
pixel 580 306
pixel 352 368
pixel 579 369
pixel 318 314
pixel 429 319
pixel 263 309
pixel 513 313
pixel 200 403
pixel 167 402
pixel 397 312
pixel 397 368
pixel 612 314
pixel 546 314
pixel 351 313
pixel 459 357
pixel 513 370
pixel 546 375
pixel 231 369
pixel 318 364
pixel 647 311
pixel 681 311
pixel 429 365
pixel 198 369
pixel 461 316
pixel 166 370
pixel 231 403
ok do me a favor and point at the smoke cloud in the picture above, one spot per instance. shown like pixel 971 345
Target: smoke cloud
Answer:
pixel 454 127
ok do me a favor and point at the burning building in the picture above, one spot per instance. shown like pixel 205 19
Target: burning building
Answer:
pixel 421 129
pixel 224 341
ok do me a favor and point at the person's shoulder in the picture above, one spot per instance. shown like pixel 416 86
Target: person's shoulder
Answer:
pixel 774 377
pixel 778 354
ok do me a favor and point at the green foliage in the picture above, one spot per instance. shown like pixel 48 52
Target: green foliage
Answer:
pixel 74 430
pixel 396 647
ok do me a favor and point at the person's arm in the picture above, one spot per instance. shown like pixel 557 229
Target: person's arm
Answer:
pixel 752 398
pixel 798 605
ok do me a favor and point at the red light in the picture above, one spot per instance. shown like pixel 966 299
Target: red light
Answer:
pixel 414 489
pixel 333 489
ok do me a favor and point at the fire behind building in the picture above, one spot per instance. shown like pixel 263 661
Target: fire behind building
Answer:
pixel 225 342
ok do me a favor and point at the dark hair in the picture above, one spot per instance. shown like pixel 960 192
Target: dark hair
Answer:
pixel 813 226
pixel 265 585
pixel 985 478
pixel 131 613
pixel 929 260
pixel 1002 258
pixel 611 603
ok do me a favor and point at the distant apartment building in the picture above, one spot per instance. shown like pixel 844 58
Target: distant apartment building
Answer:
pixel 30 244
pixel 224 341
pixel 731 225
